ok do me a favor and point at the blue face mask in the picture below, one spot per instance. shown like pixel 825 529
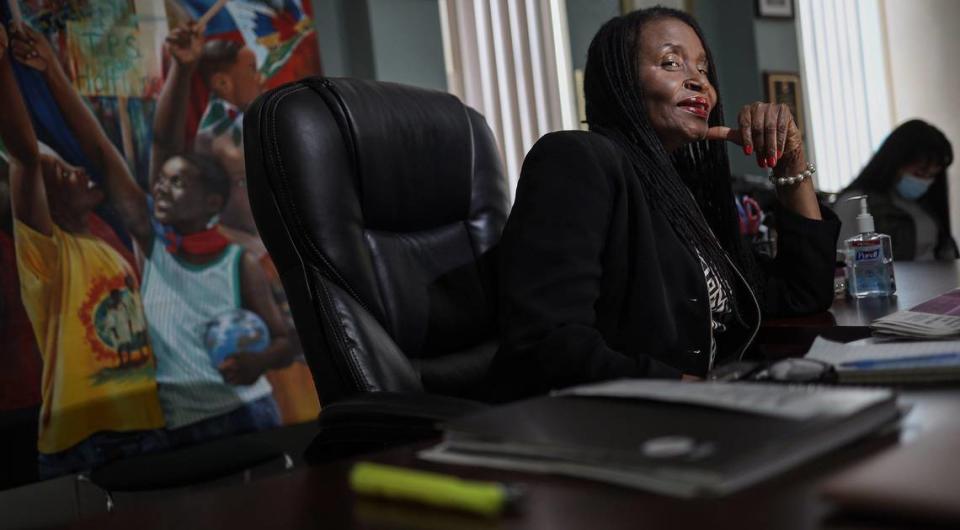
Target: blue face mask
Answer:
pixel 912 187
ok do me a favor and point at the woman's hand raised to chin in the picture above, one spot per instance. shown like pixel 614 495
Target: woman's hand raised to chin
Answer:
pixel 769 132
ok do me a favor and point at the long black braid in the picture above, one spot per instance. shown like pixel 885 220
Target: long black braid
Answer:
pixel 692 186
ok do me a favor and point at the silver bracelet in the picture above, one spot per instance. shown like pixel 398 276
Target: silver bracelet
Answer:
pixel 788 181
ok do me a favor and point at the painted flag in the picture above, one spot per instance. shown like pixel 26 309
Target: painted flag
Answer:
pixel 280 33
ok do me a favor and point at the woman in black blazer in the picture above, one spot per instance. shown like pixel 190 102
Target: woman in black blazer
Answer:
pixel 622 257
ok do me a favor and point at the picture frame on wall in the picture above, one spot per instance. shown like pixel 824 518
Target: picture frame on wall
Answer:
pixel 774 8
pixel 785 87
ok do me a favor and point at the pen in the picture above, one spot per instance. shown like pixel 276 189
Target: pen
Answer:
pixel 911 362
pixel 485 498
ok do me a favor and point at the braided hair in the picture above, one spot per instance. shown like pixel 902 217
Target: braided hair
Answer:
pixel 691 186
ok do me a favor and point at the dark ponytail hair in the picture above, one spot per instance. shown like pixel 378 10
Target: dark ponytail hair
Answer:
pixel 913 141
pixel 691 186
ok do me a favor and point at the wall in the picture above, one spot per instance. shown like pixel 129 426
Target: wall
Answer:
pixel 682 5
pixel 407 42
pixel 386 40
pixel 776 41
pixel 584 18
pixel 730 30
pixel 923 46
pixel 343 29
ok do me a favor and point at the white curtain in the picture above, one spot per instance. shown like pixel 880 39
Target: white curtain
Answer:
pixel 845 80
pixel 510 60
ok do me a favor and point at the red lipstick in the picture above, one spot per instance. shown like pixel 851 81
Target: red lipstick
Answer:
pixel 696 105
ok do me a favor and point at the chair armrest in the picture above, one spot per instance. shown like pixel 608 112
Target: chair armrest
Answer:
pixel 186 466
pixel 374 421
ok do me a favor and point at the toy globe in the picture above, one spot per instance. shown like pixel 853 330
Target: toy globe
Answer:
pixel 235 331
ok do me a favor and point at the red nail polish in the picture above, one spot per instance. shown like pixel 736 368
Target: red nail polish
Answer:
pixel 772 161
pixel 748 150
pixel 762 163
pixel 779 155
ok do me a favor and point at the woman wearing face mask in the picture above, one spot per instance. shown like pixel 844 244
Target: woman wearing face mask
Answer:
pixel 622 256
pixel 906 181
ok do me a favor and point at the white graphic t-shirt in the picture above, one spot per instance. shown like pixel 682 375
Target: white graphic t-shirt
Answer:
pixel 719 306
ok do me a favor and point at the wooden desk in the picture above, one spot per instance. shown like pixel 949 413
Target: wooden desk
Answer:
pixel 319 497
pixel 848 319
pixel 916 283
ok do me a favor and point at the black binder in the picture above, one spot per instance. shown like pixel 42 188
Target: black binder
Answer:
pixel 671 448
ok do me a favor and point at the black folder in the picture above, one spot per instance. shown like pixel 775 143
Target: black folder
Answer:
pixel 671 448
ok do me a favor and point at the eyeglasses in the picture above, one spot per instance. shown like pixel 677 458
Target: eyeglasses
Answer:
pixel 792 370
pixel 796 370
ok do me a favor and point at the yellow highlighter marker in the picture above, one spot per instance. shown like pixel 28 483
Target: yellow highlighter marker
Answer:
pixel 446 491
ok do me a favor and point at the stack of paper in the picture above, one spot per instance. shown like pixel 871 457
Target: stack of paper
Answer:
pixel 935 318
pixel 890 362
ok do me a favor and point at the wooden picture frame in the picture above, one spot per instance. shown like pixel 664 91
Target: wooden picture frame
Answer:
pixel 774 8
pixel 785 87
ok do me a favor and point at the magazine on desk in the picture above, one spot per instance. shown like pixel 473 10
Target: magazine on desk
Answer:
pixel 644 434
pixel 938 317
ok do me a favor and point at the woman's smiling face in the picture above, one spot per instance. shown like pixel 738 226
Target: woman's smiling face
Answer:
pixel 673 72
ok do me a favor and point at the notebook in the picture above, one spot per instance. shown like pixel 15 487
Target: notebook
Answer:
pixel 643 434
pixel 873 361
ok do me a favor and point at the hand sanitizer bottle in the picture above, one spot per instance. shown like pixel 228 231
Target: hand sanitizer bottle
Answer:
pixel 869 257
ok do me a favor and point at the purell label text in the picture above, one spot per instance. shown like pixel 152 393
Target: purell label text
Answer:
pixel 867 254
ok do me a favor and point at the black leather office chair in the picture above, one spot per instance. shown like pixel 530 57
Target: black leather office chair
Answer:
pixel 380 205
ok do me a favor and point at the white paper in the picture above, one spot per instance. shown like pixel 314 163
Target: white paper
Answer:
pixel 937 317
pixel 794 402
pixel 837 353
pixel 913 323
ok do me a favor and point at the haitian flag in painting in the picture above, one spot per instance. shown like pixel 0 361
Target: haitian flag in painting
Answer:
pixel 280 33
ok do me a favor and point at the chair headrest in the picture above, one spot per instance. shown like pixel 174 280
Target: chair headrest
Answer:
pixel 413 153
